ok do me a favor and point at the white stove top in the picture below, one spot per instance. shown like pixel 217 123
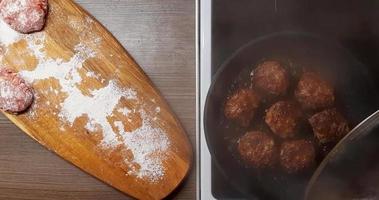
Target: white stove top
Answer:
pixel 203 83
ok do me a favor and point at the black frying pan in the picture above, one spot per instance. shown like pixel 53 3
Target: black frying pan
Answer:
pixel 356 95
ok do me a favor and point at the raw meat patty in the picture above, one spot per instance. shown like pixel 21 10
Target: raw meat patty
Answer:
pixel 15 95
pixel 24 16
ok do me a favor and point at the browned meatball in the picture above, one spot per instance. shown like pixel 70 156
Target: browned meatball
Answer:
pixel 241 106
pixel 257 149
pixel 297 155
pixel 329 125
pixel 271 78
pixel 283 118
pixel 313 92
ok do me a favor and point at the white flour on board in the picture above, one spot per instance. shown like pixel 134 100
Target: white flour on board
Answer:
pixel 124 111
pixel 146 142
pixel 7 34
pixel 92 74
pixel 142 149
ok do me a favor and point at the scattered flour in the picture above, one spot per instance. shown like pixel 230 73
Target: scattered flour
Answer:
pixel 140 143
pixel 147 143
pixel 158 109
pixel 75 24
pixel 91 126
pixel 97 108
pixel 125 111
pixel 7 34
pixel 92 74
pixel 89 20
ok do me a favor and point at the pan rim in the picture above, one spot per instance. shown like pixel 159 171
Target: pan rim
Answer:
pixel 224 66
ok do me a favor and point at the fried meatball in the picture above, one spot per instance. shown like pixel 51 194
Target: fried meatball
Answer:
pixel 257 149
pixel 314 93
pixel 271 78
pixel 241 106
pixel 283 118
pixel 329 126
pixel 297 155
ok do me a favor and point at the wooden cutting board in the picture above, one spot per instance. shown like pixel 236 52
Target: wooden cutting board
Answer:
pixel 94 105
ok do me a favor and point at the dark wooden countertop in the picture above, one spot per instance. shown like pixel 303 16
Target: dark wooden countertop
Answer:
pixel 160 35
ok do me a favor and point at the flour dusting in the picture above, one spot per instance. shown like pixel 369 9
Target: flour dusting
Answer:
pixel 125 111
pixel 141 141
pixel 91 126
pixel 92 74
pixel 148 143
pixel 7 34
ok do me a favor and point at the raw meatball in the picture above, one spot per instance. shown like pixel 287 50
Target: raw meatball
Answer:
pixel 270 77
pixel 257 149
pixel 241 106
pixel 329 126
pixel 15 95
pixel 283 118
pixel 24 16
pixel 297 155
pixel 313 92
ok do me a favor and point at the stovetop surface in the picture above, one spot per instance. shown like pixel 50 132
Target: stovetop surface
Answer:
pixel 354 24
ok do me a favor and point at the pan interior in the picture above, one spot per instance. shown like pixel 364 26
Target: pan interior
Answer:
pixel 355 92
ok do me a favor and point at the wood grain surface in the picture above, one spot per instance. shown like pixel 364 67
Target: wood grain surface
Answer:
pixel 20 157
